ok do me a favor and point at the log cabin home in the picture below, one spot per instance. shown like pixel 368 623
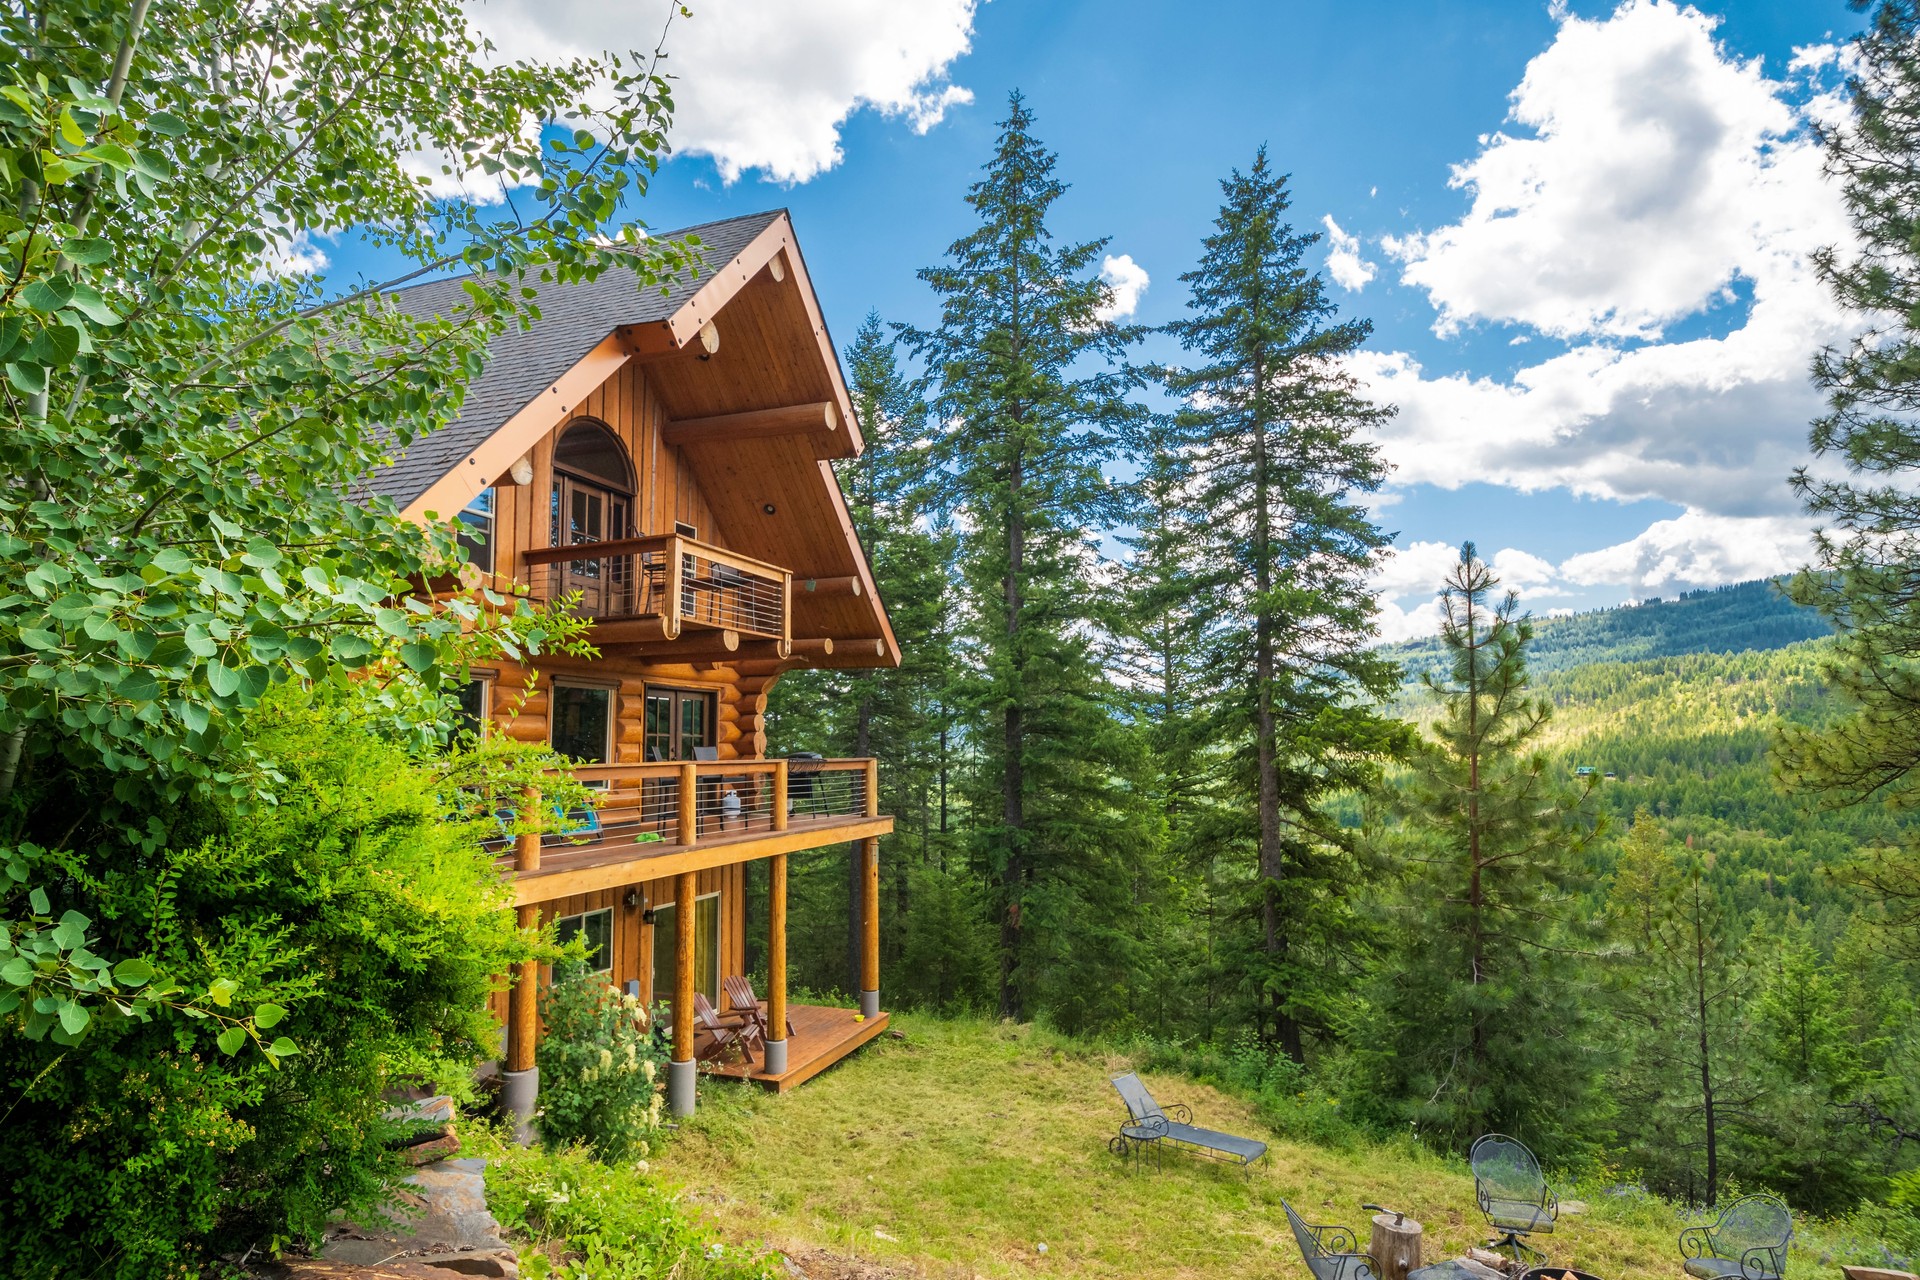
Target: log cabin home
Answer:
pixel 667 457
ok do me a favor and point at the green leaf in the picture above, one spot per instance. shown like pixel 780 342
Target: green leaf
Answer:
pixel 36 638
pixel 37 899
pixel 88 302
pixel 223 680
pixel 166 124
pixel 221 992
pixel 18 971
pixel 419 655
pixel 74 1017
pixel 283 1047
pixel 87 251
pixel 28 379
pixel 133 972
pixel 48 294
pixel 266 1015
pixel 231 1039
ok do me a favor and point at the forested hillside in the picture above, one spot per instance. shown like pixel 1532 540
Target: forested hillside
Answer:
pixel 1746 615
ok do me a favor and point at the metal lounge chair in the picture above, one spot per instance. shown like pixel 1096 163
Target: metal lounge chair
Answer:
pixel 1513 1194
pixel 1149 1125
pixel 1331 1252
pixel 1749 1242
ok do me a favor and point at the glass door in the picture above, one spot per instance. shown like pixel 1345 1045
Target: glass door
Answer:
pixel 677 721
pixel 583 514
pixel 706 948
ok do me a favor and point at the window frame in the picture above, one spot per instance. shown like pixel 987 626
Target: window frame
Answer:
pixel 580 928
pixel 612 693
pixel 482 513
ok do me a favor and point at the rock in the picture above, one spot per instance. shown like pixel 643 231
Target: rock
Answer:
pixel 1573 1206
pixel 443 1222
pixel 435 1110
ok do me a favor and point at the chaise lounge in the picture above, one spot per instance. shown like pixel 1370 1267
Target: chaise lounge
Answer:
pixel 1150 1126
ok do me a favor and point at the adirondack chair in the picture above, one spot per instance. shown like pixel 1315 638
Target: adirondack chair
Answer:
pixel 1513 1194
pixel 1149 1125
pixel 728 1034
pixel 1748 1242
pixel 738 989
pixel 1331 1252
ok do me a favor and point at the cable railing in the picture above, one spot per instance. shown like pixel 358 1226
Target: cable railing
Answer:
pixel 678 580
pixel 681 803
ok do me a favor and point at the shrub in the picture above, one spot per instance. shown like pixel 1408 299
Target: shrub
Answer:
pixel 358 902
pixel 593 1221
pixel 601 1068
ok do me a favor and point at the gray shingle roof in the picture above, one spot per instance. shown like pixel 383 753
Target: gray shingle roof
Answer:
pixel 523 362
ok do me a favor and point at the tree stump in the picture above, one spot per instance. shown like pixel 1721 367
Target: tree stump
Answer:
pixel 1395 1245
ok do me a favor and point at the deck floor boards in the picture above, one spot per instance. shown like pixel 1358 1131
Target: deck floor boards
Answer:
pixel 821 1037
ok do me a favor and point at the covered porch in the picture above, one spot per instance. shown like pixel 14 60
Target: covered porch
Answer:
pixel 821 1036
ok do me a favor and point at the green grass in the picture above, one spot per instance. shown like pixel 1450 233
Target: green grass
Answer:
pixel 959 1149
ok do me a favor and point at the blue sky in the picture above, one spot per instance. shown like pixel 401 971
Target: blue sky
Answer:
pixel 1580 230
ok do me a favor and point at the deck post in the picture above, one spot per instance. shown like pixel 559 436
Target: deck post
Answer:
pixel 521 1079
pixel 680 1069
pixel 870 942
pixel 689 817
pixel 779 795
pixel 775 1061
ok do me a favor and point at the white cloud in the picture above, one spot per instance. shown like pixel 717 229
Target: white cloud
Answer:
pixel 1661 171
pixel 1696 549
pixel 1349 270
pixel 1657 170
pixel 299 256
pixel 765 85
pixel 1522 571
pixel 1128 280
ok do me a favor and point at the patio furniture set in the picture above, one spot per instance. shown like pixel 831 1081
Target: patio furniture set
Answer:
pixel 1748 1241
pixel 739 1028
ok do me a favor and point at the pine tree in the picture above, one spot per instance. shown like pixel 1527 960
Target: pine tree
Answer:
pixel 1271 443
pixel 1679 984
pixel 1868 558
pixel 1480 1021
pixel 1030 383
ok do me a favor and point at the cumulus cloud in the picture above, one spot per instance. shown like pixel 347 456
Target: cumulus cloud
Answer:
pixel 1654 178
pixel 1658 169
pixel 1696 549
pixel 1127 280
pixel 1345 264
pixel 765 85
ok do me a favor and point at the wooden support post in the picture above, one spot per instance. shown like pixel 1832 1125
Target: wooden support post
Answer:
pixel 780 804
pixel 680 1074
pixel 689 809
pixel 873 788
pixel 870 922
pixel 775 1062
pixel 1395 1245
pixel 522 1076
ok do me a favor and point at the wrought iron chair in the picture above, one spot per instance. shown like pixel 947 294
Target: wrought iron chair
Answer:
pixel 1331 1252
pixel 1150 1126
pixel 1513 1194
pixel 1749 1242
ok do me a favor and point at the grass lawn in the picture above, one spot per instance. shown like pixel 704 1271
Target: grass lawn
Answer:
pixel 961 1148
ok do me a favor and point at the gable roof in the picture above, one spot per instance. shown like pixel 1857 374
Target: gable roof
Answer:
pixel 523 363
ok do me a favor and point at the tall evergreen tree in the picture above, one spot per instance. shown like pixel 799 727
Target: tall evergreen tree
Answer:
pixel 1679 984
pixel 1272 438
pixel 1030 383
pixel 1868 558
pixel 1480 1023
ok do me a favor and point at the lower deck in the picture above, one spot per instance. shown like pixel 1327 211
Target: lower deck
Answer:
pixel 821 1036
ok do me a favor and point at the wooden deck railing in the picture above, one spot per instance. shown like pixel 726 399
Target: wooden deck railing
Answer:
pixel 680 581
pixel 686 802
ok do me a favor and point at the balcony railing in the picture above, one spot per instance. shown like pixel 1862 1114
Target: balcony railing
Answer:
pixel 678 580
pixel 637 803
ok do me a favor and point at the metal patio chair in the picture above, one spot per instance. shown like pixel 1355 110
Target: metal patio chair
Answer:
pixel 1331 1252
pixel 1748 1242
pixel 1149 1125
pixel 1513 1194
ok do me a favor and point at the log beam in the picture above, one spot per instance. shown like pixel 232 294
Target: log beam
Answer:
pixel 789 420
pixel 829 586
pixel 653 341
pixel 680 1071
pixel 870 928
pixel 775 1062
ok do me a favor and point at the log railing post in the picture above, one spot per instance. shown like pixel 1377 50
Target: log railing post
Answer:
pixel 870 922
pixel 521 1078
pixel 780 795
pixel 873 788
pixel 689 803
pixel 775 1061
pixel 680 1070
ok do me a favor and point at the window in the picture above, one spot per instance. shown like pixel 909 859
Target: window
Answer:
pixel 706 947
pixel 476 530
pixel 582 720
pixel 472 716
pixel 597 928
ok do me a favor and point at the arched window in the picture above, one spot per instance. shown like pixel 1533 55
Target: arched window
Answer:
pixel 592 486
pixel 588 451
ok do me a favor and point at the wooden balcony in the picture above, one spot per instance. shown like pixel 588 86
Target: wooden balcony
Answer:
pixel 664 819
pixel 669 588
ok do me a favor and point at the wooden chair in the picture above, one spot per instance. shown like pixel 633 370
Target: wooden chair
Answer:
pixel 730 1033
pixel 738 990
